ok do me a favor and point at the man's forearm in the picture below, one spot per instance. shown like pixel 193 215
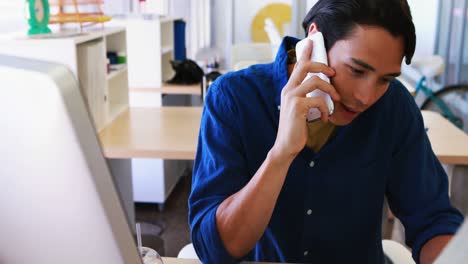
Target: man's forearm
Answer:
pixel 243 217
pixel 432 249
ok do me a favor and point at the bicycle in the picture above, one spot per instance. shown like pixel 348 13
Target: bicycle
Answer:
pixel 450 101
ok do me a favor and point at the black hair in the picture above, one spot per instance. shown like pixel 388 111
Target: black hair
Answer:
pixel 336 20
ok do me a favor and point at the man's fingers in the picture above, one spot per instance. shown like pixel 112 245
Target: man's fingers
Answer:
pixel 295 78
pixel 316 83
pixel 306 51
pixel 305 67
pixel 319 103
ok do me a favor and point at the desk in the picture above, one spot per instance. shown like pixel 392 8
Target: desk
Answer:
pixel 448 142
pixel 450 145
pixel 166 95
pixel 154 144
pixel 168 88
pixel 180 261
pixel 164 133
pixel 172 133
pixel 194 261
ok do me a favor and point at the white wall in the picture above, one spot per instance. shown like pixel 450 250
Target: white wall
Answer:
pixel 181 9
pixel 244 13
pixel 241 13
pixel 311 3
pixel 115 7
pixel 222 34
pixel 12 16
pixel 424 14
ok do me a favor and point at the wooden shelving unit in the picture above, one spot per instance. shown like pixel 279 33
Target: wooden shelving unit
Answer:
pixel 116 73
pixel 150 48
pixel 106 94
pixel 74 11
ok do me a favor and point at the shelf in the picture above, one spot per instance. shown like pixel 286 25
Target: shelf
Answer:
pixel 77 36
pixel 192 89
pixel 84 53
pixel 71 2
pixel 117 72
pixel 115 110
pixel 78 18
pixel 166 49
pixel 166 19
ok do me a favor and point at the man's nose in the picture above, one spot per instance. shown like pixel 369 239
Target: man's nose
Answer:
pixel 365 94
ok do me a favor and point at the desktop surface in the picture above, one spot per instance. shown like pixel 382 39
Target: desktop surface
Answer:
pixel 450 144
pixel 163 132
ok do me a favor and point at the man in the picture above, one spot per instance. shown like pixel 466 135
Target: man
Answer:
pixel 268 186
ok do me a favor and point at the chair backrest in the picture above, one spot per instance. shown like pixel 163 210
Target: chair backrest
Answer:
pixel 256 52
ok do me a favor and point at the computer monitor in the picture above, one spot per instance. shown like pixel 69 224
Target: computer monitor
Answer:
pixel 58 200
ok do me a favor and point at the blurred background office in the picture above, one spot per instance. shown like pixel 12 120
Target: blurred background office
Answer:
pixel 220 24
pixel 227 35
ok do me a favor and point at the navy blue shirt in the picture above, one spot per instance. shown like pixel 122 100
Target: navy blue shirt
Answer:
pixel 330 207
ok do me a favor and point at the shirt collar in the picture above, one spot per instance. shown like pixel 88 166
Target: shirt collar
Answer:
pixel 280 68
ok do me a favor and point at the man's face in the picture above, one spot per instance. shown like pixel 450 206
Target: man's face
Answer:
pixel 365 63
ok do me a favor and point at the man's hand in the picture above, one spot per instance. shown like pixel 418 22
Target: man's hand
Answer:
pixel 432 249
pixel 292 131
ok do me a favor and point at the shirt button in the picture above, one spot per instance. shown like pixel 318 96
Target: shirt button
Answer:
pixel 309 212
pixel 312 164
pixel 306 253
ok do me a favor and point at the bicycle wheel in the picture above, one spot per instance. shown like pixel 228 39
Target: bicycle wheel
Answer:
pixel 456 99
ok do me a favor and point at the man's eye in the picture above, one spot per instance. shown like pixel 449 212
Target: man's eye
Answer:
pixel 356 71
pixel 386 80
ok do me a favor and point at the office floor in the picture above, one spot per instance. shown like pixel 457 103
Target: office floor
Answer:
pixel 166 231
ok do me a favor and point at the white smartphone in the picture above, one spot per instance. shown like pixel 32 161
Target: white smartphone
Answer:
pixel 319 54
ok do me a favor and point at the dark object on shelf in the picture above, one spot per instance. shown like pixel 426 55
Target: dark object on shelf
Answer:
pixel 186 72
pixel 179 40
pixel 112 56
pixel 208 80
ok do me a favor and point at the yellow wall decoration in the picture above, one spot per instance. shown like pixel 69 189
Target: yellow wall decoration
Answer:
pixel 279 13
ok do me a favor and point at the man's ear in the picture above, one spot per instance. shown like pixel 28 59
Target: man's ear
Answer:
pixel 313 29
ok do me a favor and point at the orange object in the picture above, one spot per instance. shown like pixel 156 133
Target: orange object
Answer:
pixel 68 11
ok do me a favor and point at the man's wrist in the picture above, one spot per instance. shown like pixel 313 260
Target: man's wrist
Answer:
pixel 280 158
pixel 432 249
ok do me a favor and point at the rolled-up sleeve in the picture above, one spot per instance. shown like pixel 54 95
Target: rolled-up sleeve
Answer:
pixel 219 171
pixel 417 189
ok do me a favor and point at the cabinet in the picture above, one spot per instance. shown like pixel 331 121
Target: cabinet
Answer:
pixel 150 46
pixel 106 94
pixel 154 179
